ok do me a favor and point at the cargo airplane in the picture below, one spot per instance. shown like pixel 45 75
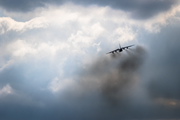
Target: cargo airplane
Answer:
pixel 120 49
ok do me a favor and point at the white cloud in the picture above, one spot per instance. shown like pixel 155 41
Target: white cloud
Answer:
pixel 6 90
pixel 84 17
pixel 6 64
pixel 154 24
pixel 85 37
pixel 124 34
pixel 97 45
pixel 74 29
pixel 22 48
pixel 8 24
pixel 58 85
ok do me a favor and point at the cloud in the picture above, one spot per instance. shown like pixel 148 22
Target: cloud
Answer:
pixel 113 77
pixel 163 82
pixel 138 8
pixel 6 90
pixel 156 23
pixel 20 5
pixel 8 24
pixel 75 18
pixel 168 102
pixel 60 31
pixel 61 85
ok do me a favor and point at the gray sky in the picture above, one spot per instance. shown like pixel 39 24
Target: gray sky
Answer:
pixel 53 62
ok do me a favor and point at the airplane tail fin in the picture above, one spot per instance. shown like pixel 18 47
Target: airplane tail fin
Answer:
pixel 119 46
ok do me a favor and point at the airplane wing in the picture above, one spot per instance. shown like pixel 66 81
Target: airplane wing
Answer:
pixel 112 51
pixel 127 47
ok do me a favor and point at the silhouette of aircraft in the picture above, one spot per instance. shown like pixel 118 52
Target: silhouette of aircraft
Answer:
pixel 120 49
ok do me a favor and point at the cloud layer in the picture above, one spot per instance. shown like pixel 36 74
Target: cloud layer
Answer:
pixel 138 8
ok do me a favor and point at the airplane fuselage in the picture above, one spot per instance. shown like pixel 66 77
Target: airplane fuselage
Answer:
pixel 118 50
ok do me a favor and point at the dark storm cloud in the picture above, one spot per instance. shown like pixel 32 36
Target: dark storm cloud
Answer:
pixel 113 77
pixel 109 89
pixel 20 5
pixel 140 9
pixel 163 65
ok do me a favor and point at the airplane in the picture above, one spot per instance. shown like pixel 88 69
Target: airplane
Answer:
pixel 120 49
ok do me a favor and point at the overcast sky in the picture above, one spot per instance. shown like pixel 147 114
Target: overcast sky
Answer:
pixel 53 61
